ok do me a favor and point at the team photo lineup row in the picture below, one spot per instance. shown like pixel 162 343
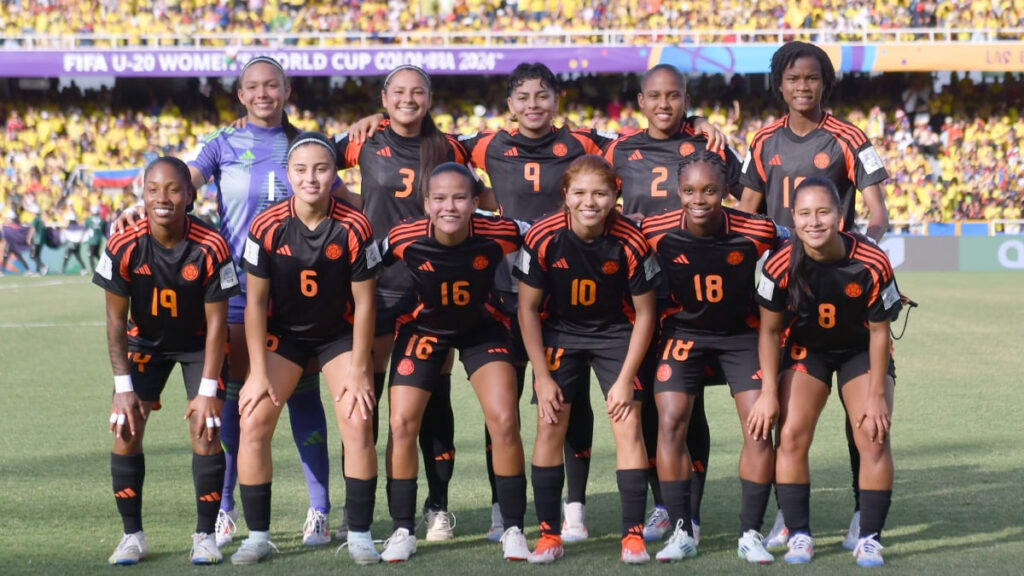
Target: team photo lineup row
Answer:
pixel 611 253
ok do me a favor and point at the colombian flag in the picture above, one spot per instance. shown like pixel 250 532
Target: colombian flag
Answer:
pixel 114 178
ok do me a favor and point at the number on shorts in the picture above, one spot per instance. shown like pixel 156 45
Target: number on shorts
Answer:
pixel 140 360
pixel 554 357
pixel 421 346
pixel 677 349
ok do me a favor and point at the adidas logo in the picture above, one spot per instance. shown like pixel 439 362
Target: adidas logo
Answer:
pixel 426 267
pixel 284 250
pixel 775 161
pixel 636 155
pixel 247 155
pixel 314 439
pixel 681 259
pixel 211 497
pixel 143 270
pixel 385 152
pixel 561 263
pixel 125 494
pixel 513 151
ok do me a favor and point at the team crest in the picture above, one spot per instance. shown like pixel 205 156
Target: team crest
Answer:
pixel 821 160
pixel 559 149
pixel 333 251
pixel 406 367
pixel 190 272
pixel 735 257
pixel 853 290
pixel 610 267
pixel 480 262
pixel 685 149
pixel 664 373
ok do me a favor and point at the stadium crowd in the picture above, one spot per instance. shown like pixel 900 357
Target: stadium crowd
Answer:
pixel 131 22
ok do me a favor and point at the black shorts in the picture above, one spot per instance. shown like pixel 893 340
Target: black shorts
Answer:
pixel 822 364
pixel 570 368
pixel 150 371
pixel 418 356
pixel 299 351
pixel 390 307
pixel 688 361
pixel 508 304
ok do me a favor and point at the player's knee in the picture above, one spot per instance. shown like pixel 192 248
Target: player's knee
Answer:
pixel 504 428
pixel 793 441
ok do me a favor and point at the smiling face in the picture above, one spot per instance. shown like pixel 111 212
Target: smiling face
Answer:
pixel 816 219
pixel 663 102
pixel 263 91
pixel 165 194
pixel 407 100
pixel 701 187
pixel 589 198
pixel 802 85
pixel 450 204
pixel 534 105
pixel 311 173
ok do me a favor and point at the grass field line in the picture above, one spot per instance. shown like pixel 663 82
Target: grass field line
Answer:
pixel 49 324
pixel 42 284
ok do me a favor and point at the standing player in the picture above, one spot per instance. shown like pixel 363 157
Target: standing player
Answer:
pixel 808 141
pixel 452 254
pixel 167 286
pixel 95 229
pixel 586 298
pixel 710 255
pixel 840 289
pixel 311 261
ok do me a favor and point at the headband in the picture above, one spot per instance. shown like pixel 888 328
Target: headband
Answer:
pixel 313 138
pixel 417 69
pixel 263 59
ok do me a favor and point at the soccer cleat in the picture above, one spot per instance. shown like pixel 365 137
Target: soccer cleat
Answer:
pixel 852 538
pixel 634 551
pixel 497 524
pixel 225 527
pixel 400 547
pixel 361 548
pixel 751 548
pixel 680 545
pixel 130 549
pixel 778 538
pixel 868 551
pixel 253 551
pixel 801 549
pixel 439 524
pixel 204 549
pixel 317 529
pixel 574 526
pixel 513 545
pixel 549 548
pixel 657 524
pixel 342 533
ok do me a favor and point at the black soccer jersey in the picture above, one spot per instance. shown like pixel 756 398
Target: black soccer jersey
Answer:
pixel 311 271
pixel 588 286
pixel 168 288
pixel 390 168
pixel 649 169
pixel 711 279
pixel 453 283
pixel 526 173
pixel 845 295
pixel 779 160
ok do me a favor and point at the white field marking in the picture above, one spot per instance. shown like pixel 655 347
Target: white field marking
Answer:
pixel 51 324
pixel 42 284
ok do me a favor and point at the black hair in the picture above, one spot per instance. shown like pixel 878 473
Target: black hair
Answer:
pixel 702 156
pixel 182 171
pixel 789 53
pixel 679 76
pixel 799 289
pixel 289 129
pixel 305 138
pixel 455 168
pixel 434 146
pixel 532 71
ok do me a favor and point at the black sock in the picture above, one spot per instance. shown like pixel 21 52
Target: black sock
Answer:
pixel 256 506
pixel 437 443
pixel 489 459
pixel 208 477
pixel 579 439
pixel 873 510
pixel 649 427
pixel 795 503
pixel 128 474
pixel 677 503
pixel 360 499
pixel 512 499
pixel 520 381
pixel 633 497
pixel 753 504
pixel 851 447
pixel 698 442
pixel 378 390
pixel 547 497
pixel 402 503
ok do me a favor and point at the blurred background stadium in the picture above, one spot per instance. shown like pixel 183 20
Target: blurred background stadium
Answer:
pixel 90 91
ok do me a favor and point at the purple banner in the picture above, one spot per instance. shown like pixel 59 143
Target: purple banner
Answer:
pixel 313 62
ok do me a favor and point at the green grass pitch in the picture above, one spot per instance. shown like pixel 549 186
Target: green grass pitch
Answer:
pixel 957 505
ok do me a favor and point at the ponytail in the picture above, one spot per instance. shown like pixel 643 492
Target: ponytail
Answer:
pixel 434 151
pixel 798 288
pixel 289 130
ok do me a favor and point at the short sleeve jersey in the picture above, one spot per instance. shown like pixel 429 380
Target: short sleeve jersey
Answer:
pixel 390 169
pixel 453 283
pixel 711 278
pixel 167 288
pixel 311 271
pixel 779 160
pixel 588 286
pixel 845 295
pixel 248 167
pixel 649 169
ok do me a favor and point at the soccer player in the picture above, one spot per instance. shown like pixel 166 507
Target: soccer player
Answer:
pixel 95 229
pixel 167 283
pixel 840 289
pixel 311 262
pixel 808 141
pixel 710 255
pixel 586 298
pixel 452 254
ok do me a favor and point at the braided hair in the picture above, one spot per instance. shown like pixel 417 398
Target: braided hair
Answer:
pixel 789 53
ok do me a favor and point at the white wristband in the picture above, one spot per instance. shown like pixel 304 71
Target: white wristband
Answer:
pixel 123 384
pixel 208 387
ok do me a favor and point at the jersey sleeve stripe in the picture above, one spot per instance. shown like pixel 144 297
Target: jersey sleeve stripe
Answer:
pixel 354 219
pixel 585 140
pixel 128 235
pixel 210 239
pixel 124 266
pixel 836 126
pixel 459 153
pixel 631 237
pixel 479 156
pixel 267 218
pixel 778 263
pixel 352 152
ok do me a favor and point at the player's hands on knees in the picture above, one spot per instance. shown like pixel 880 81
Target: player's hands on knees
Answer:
pixel 620 399
pixel 126 413
pixel 358 395
pixel 716 138
pixel 361 130
pixel 549 399
pixel 763 416
pixel 256 388
pixel 129 218
pixel 203 414
pixel 875 420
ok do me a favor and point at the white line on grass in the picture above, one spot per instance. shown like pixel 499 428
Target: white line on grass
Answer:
pixel 43 284
pixel 50 324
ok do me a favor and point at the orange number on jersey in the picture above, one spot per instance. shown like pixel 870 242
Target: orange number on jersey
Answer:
pixel 408 176
pixel 554 357
pixel 531 171
pixel 165 298
pixel 712 289
pixel 786 190
pixel 421 346
pixel 660 175
pixel 459 293
pixel 827 315
pixel 584 292
pixel 307 283
pixel 678 349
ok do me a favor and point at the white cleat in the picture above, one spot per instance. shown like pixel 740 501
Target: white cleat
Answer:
pixel 204 549
pixel 680 545
pixel 361 548
pixel 801 549
pixel 513 545
pixel 440 525
pixel 254 550
pixel 400 547
pixel 778 538
pixel 751 548
pixel 658 524
pixel 852 537
pixel 225 528
pixel 317 529
pixel 497 524
pixel 574 525
pixel 130 550
pixel 868 552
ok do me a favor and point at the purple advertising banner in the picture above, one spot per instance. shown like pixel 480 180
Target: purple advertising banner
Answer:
pixel 314 62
